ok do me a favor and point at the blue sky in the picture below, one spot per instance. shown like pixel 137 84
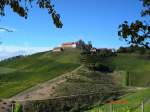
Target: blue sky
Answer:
pixel 90 20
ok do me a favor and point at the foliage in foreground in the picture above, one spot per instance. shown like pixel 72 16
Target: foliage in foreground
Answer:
pixel 23 10
pixel 138 32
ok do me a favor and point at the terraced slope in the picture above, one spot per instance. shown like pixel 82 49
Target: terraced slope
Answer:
pixel 19 74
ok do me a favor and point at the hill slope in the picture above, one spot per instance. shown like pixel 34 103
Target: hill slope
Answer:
pixel 19 74
pixel 138 68
pixel 79 81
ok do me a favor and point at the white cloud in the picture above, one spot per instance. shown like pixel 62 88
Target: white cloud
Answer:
pixel 10 51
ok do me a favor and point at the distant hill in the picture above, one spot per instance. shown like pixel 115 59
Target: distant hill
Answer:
pixel 18 74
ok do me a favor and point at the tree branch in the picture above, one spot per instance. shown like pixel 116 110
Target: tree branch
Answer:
pixel 6 29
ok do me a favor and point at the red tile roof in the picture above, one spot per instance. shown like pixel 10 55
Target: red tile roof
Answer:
pixel 69 43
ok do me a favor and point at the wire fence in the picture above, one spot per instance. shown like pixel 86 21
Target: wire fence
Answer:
pixel 88 99
pixel 123 106
pixel 112 106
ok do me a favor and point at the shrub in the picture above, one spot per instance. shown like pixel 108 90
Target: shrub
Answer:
pixel 102 67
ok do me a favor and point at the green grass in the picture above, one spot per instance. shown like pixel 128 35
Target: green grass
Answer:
pixel 4 70
pixel 138 68
pixel 133 100
pixel 19 74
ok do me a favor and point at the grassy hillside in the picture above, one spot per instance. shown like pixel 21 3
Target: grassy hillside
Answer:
pixel 133 102
pixel 138 68
pixel 5 70
pixel 19 74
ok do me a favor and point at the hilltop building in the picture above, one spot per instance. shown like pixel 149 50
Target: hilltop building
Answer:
pixel 65 45
pixel 69 45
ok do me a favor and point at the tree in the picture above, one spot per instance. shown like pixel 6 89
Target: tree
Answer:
pixel 81 44
pixel 138 32
pixel 6 29
pixel 90 44
pixel 22 10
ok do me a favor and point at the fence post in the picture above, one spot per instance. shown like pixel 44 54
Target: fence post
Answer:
pixel 12 108
pixel 129 79
pixel 110 107
pixel 142 106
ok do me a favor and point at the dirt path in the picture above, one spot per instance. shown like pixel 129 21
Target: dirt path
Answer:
pixel 44 90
